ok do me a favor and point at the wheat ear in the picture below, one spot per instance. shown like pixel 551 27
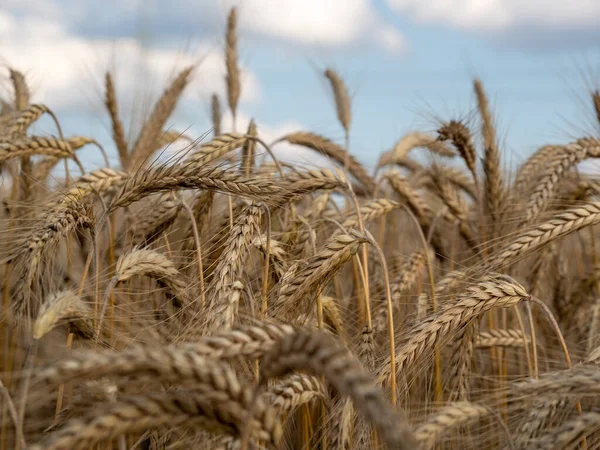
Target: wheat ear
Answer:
pixel 399 153
pixel 320 353
pixel 249 150
pixel 335 152
pixel 223 302
pixel 20 88
pixel 150 133
pixel 444 421
pixel 67 306
pixel 497 292
pixel 494 183
pixel 118 132
pixel 459 134
pixel 221 407
pixel 149 263
pixel 215 114
pixel 232 79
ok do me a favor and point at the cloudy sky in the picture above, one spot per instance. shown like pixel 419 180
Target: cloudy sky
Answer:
pixel 408 63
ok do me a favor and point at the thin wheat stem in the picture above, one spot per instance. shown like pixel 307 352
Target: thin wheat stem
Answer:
pixel 198 243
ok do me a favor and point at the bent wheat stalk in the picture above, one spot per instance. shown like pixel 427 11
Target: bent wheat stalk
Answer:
pixel 319 353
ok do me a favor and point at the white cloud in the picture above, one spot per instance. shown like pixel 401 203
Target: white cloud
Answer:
pixel 489 16
pixel 63 67
pixel 331 23
pixel 324 24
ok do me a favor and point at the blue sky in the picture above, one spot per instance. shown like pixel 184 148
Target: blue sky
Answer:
pixel 407 63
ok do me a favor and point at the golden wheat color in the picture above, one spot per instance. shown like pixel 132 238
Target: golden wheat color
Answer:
pixel 222 300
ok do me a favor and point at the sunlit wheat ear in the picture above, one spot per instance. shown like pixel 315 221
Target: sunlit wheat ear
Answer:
pixel 409 272
pixel 341 430
pixel 249 150
pixel 146 141
pixel 495 196
pixel 152 264
pixel 21 90
pixel 343 108
pixel 555 170
pixel 101 182
pixel 498 292
pixel 251 341
pixel 411 141
pixel 332 315
pixel 500 338
pixel 42 168
pixel 460 363
pixel 34 146
pixel 56 224
pixel 413 200
pixel 219 403
pixel 218 147
pixel 456 205
pixel 232 79
pixel 534 238
pixel 225 289
pixel 529 171
pixel 310 277
pixel 595 94
pixel 189 176
pixel 444 421
pixel 276 252
pixel 118 132
pixel 26 117
pixel 371 211
pixel 542 412
pixel 579 381
pixel 457 177
pixel 342 99
pixel 569 434
pixel 320 353
pixel 67 307
pixel 294 391
pixel 460 136
pixel 159 215
pixel 301 183
pixel 335 152
pixel 215 114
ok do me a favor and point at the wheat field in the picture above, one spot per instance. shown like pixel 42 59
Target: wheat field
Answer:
pixel 224 299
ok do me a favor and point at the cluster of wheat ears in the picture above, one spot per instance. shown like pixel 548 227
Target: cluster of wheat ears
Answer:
pixel 225 299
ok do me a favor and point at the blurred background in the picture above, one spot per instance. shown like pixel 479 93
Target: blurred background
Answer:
pixel 407 63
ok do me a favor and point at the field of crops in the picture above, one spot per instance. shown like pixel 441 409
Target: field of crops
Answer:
pixel 226 299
